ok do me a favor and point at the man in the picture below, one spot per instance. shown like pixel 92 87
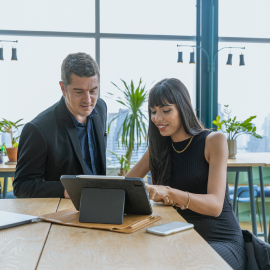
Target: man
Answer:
pixel 68 138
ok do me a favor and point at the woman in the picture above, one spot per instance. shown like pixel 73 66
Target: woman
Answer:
pixel 189 170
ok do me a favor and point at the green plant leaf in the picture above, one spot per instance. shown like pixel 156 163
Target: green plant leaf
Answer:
pixel 133 128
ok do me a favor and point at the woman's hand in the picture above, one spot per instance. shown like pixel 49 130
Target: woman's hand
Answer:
pixel 159 193
pixel 167 201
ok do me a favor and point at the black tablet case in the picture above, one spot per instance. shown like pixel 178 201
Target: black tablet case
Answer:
pixel 135 199
pixel 100 205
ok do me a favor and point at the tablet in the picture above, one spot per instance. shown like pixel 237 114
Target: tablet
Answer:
pixel 136 196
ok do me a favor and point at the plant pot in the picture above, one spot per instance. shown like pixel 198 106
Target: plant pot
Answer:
pixel 12 154
pixel 122 172
pixel 232 147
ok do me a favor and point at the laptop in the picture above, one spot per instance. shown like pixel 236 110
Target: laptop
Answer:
pixel 9 219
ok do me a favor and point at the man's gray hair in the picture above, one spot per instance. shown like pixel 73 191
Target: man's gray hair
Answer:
pixel 80 64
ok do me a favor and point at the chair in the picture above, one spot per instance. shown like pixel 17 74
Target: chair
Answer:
pixel 149 179
pixel 243 196
pixel 258 252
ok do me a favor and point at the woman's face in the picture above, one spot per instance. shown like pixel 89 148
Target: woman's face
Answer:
pixel 167 119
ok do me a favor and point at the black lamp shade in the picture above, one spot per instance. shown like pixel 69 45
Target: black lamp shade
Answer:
pixel 14 54
pixel 229 61
pixel 1 54
pixel 192 58
pixel 242 60
pixel 180 57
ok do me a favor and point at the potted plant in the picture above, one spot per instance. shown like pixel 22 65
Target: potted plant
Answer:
pixel 124 165
pixel 11 127
pixel 234 129
pixel 133 128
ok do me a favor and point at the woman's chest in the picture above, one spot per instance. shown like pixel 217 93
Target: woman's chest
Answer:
pixel 189 174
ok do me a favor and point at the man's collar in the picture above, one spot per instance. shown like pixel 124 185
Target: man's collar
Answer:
pixel 75 121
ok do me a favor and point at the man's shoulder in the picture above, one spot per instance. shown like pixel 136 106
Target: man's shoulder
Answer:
pixel 101 105
pixel 47 117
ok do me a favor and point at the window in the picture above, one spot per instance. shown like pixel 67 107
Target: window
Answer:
pixel 246 89
pixel 244 18
pixel 131 60
pixel 172 17
pixel 30 85
pixel 49 15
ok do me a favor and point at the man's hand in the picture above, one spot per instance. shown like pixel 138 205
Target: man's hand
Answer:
pixel 66 194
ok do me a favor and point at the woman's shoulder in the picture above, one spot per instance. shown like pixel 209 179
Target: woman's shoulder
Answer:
pixel 216 140
pixel 210 138
pixel 215 137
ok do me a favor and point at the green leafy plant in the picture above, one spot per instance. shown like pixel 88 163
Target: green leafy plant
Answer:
pixel 11 127
pixel 235 128
pixel 4 148
pixel 124 164
pixel 133 128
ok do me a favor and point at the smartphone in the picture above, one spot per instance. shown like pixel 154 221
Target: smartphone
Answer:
pixel 169 228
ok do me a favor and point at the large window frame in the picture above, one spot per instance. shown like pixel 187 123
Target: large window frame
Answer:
pixel 97 35
pixel 201 105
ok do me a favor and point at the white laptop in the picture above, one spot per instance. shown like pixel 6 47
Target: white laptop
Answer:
pixel 9 219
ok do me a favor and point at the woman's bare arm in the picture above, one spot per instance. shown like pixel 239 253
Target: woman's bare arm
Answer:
pixel 142 168
pixel 216 153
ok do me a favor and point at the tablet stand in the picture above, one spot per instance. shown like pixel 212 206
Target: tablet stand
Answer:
pixel 100 205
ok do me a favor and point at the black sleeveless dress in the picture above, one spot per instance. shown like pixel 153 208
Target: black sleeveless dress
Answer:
pixel 190 173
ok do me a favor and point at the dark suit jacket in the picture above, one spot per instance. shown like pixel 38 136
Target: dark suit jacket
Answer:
pixel 49 147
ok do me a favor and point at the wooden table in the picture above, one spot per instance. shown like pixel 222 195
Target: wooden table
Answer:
pixel 6 171
pixel 244 162
pixel 21 247
pixel 30 246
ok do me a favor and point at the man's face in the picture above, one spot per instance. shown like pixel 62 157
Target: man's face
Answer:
pixel 81 95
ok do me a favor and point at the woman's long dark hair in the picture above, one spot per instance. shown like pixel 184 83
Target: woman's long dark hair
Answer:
pixel 168 91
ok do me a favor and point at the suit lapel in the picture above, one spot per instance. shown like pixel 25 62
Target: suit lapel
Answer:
pixel 71 131
pixel 100 140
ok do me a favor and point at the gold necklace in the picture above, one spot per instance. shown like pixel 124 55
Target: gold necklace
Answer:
pixel 184 148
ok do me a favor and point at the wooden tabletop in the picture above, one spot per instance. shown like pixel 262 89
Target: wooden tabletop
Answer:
pixel 7 168
pixel 250 159
pixel 79 248
pixel 21 247
pixel 242 159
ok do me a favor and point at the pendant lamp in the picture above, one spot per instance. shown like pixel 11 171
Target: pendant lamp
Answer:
pixel 229 61
pixel 242 60
pixel 1 54
pixel 192 58
pixel 180 57
pixel 14 54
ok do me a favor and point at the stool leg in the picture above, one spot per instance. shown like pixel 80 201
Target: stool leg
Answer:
pixel 237 212
pixel 263 203
pixel 235 203
pixel 5 187
pixel 252 202
pixel 259 213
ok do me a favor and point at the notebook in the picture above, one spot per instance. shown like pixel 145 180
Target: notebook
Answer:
pixel 9 219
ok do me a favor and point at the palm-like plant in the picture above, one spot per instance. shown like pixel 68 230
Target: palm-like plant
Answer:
pixel 133 128
pixel 124 165
pixel 11 127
